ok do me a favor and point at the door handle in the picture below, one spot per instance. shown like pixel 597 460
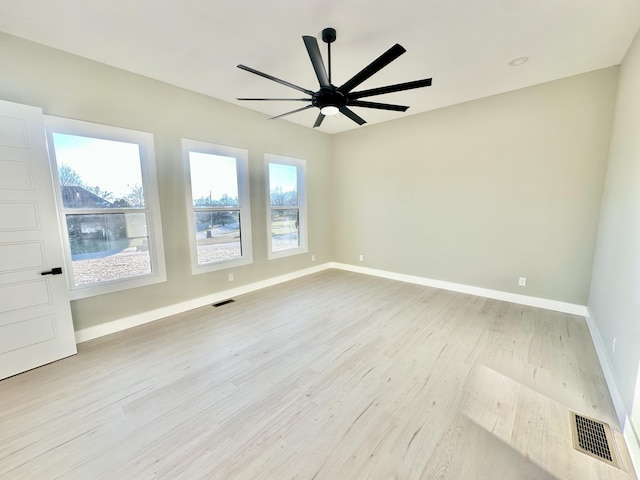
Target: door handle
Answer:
pixel 53 271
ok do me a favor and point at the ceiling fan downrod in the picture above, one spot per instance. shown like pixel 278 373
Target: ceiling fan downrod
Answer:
pixel 328 37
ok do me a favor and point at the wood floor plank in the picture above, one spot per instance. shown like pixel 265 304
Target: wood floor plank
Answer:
pixel 335 375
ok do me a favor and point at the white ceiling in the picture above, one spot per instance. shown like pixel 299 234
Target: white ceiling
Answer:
pixel 465 45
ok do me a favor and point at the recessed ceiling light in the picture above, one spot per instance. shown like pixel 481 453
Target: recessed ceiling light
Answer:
pixel 516 62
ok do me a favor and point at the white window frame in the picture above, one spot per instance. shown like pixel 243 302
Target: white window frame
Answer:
pixel 242 169
pixel 301 166
pixel 151 200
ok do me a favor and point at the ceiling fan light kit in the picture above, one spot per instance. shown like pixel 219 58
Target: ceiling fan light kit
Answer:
pixel 329 110
pixel 331 100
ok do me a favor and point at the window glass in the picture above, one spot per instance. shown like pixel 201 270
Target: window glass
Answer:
pixel 214 180
pixel 112 222
pixel 283 185
pixel 287 212
pixel 218 236
pixel 283 192
pixel 219 204
pixel 98 173
pixel 106 247
pixel 284 229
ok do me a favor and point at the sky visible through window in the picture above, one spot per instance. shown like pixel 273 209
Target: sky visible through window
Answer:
pixel 111 165
pixel 284 176
pixel 213 176
pixel 115 167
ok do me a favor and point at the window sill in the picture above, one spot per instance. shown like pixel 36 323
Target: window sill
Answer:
pixel 287 253
pixel 86 291
pixel 224 265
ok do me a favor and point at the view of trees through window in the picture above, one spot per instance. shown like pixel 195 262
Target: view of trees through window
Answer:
pixel 216 209
pixel 107 212
pixel 285 214
pixel 103 202
pixel 70 178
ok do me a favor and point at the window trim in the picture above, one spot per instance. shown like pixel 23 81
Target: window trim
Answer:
pixel 301 166
pixel 145 142
pixel 244 205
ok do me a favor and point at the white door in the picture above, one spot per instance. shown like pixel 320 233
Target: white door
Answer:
pixel 35 314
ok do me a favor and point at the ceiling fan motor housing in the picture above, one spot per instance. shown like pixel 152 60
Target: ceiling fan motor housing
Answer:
pixel 329 96
pixel 329 35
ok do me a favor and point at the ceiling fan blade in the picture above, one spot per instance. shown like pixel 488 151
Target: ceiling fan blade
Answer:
pixel 316 59
pixel 391 88
pixel 269 77
pixel 276 99
pixel 292 111
pixel 378 64
pixel 319 120
pixel 381 106
pixel 345 111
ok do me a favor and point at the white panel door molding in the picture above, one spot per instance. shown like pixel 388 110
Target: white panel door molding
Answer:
pixel 35 314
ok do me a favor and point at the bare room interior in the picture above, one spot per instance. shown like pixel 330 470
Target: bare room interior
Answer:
pixel 320 240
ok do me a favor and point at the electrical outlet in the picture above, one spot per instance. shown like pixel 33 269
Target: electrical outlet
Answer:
pixel 231 277
pixel 313 258
pixel 522 281
pixel 362 258
pixel 613 346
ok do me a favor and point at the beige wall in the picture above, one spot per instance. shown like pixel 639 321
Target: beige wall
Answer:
pixel 479 193
pixel 615 290
pixel 70 86
pixel 483 192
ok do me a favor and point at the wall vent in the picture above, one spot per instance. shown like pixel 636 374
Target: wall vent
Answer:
pixel 593 438
pixel 224 302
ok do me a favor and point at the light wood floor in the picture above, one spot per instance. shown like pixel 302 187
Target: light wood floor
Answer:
pixel 334 376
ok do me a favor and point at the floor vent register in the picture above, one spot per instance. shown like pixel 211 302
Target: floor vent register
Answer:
pixel 224 302
pixel 593 438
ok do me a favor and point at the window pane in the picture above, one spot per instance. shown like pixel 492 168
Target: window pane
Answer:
pixel 96 173
pixel 283 185
pixel 107 247
pixel 214 180
pixel 284 230
pixel 218 236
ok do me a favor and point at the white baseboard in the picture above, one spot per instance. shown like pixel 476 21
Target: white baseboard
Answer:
pixel 471 290
pixel 114 326
pixel 633 446
pixel 603 358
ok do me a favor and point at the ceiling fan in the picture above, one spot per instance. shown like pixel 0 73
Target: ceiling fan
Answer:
pixel 332 100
